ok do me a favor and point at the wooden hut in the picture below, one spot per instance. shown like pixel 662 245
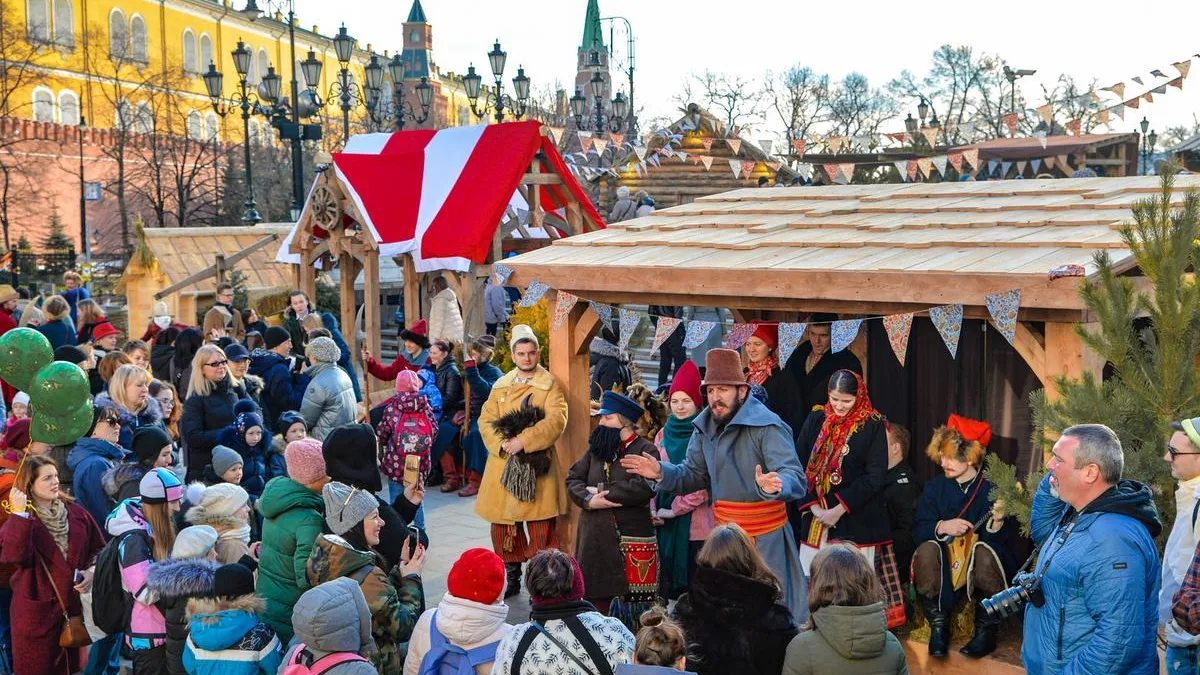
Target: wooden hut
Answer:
pixel 1110 155
pixel 186 263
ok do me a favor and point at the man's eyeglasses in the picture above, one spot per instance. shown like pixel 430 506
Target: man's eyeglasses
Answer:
pixel 217 364
pixel 1175 453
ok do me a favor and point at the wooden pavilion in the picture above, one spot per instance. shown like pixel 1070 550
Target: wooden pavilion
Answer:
pixel 1110 155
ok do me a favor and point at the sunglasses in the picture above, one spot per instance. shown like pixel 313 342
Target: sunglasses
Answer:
pixel 112 421
pixel 217 364
pixel 168 402
pixel 1175 453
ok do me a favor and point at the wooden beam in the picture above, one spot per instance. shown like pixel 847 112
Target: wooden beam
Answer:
pixel 542 179
pixel 536 216
pixel 349 269
pixel 1030 345
pixel 219 268
pixel 372 326
pixel 228 262
pixel 1068 356
pixel 569 365
pixel 412 291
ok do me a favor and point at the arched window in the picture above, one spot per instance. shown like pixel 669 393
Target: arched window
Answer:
pixel 123 116
pixel 64 23
pixel 263 63
pixel 195 126
pixel 189 51
pixel 206 53
pixel 143 122
pixel 43 105
pixel 138 40
pixel 118 35
pixel 212 126
pixel 68 108
pixel 37 20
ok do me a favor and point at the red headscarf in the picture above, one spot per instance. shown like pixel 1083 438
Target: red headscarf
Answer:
pixel 824 465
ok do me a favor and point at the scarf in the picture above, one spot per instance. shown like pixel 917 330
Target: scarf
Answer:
pixel 55 520
pixel 825 463
pixel 675 533
pixel 240 533
pixel 761 371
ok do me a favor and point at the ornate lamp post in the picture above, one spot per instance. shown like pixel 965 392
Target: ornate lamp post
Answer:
pixel 347 93
pixel 1148 143
pixel 399 109
pixel 249 103
pixel 613 121
pixel 497 98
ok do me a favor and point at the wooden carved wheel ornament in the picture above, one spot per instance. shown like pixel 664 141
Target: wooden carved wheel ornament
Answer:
pixel 326 207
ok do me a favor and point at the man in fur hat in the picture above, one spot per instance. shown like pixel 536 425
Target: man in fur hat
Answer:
pixel 522 494
pixel 967 544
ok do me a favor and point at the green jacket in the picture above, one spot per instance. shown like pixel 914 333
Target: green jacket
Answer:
pixel 846 641
pixel 292 519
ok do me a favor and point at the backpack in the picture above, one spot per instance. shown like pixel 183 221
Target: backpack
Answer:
pixel 301 662
pixel 413 434
pixel 111 605
pixel 444 658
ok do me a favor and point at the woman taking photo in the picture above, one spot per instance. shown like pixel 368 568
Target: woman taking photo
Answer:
pixel 448 379
pixel 129 394
pixel 843 448
pixel 481 374
pixel 208 409
pixel 50 540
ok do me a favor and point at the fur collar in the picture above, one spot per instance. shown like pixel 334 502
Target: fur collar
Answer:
pixel 728 598
pixel 181 578
pixel 542 379
pixel 205 609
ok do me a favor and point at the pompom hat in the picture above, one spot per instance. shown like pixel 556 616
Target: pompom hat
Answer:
pixel 478 575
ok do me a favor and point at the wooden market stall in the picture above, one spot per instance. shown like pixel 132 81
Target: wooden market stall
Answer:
pixel 1110 155
pixel 186 263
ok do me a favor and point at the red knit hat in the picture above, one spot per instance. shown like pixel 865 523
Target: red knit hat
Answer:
pixel 16 435
pixel 103 330
pixel 768 333
pixel 971 430
pixel 687 380
pixel 478 575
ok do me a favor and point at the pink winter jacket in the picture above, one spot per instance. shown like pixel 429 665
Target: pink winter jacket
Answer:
pixel 696 503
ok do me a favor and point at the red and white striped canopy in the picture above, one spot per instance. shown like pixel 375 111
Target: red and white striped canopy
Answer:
pixel 440 195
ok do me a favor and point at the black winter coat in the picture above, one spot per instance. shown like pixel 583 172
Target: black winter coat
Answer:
pixel 901 492
pixel 449 382
pixel 608 372
pixel 861 489
pixel 283 389
pixel 784 399
pixel 175 582
pixel 734 625
pixel 204 417
pixel 814 385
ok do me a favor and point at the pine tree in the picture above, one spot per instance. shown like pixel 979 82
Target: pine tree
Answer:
pixel 1150 340
pixel 56 240
pixel 23 244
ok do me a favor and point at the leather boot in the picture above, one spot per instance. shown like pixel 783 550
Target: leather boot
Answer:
pixel 939 628
pixel 984 640
pixel 472 487
pixel 513 570
pixel 450 471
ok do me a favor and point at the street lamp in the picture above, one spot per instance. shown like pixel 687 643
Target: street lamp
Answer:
pixel 84 245
pixel 398 109
pixel 614 121
pixel 1012 76
pixel 348 93
pixel 248 102
pixel 1148 143
pixel 473 83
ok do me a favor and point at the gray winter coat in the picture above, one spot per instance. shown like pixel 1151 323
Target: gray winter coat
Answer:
pixel 328 401
pixel 333 618
pixel 846 641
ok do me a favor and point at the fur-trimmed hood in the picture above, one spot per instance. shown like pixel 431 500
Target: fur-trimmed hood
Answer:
pixel 949 442
pixel 205 610
pixel 119 475
pixel 182 578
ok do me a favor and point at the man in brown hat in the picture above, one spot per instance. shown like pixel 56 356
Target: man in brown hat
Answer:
pixel 743 454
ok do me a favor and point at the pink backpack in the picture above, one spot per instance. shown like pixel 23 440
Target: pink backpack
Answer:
pixel 297 665
pixel 412 434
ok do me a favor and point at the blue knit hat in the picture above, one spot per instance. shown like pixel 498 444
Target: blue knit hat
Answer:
pixel 160 486
pixel 247 420
pixel 613 403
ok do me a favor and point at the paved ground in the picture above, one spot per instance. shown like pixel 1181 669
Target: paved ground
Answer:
pixel 453 528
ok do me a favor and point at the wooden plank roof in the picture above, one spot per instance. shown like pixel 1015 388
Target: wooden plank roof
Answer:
pixel 184 251
pixel 857 245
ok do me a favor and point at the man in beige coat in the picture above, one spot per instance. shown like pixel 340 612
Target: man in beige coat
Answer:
pixel 522 528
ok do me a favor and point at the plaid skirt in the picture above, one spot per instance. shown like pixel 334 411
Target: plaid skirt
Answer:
pixel 883 558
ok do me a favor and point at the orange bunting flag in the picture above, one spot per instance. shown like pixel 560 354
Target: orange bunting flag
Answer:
pixel 913 167
pixel 734 144
pixel 748 167
pixel 1133 102
pixel 847 171
pixel 555 133
pixel 956 161
pixel 798 146
pixel 1118 89
pixel 1177 82
pixel 930 135
pixel 1102 117
pixel 599 144
pixel 925 164
pixel 1046 112
pixel 1183 67
pixel 1010 121
pixel 1074 126
pixel 707 161
pixel 1149 97
pixel 831 170
pixel 835 143
pixel 617 139
pixel 972 157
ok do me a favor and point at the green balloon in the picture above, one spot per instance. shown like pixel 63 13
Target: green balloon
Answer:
pixel 58 386
pixel 61 429
pixel 23 352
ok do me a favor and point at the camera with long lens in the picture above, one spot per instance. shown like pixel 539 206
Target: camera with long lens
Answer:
pixel 1026 588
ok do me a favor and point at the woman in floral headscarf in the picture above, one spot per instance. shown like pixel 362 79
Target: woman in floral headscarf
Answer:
pixel 844 449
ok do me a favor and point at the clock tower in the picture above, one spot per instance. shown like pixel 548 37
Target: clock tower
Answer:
pixel 418 44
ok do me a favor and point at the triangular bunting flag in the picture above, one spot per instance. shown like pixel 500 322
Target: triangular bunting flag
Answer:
pixel 738 334
pixel 629 323
pixel 735 165
pixel 766 144
pixel 640 151
pixel 1133 102
pixel 1118 110
pixel 798 146
pixel 600 144
pixel 847 171
pixel 695 159
pixel 707 161
pixel 502 272
pixel 898 327
pixel 948 321
pixel 653 159
pixel 1118 89
pixel 1177 83
pixel 956 161
pixel 835 143
pixel 1136 79
pixel 666 327
pixel 682 156
pixel 930 135
pixel 1003 308
pixel 1021 167
pixel 735 145
pixel 707 141
pixel 1036 164
pixel 1182 67
pixel 831 170
pixel 940 163
pixel 774 166
pixel 555 133
pixel 1010 121
pixel 617 139
pixel 790 335
pixel 993 164
pixel 586 143
pixel 902 169
pixel 533 292
pixel 1074 127
pixel 696 332
pixel 925 164
pixel 1157 73
pixel 972 157
pixel 1160 89
pixel 913 168
pixel 843 333
pixel 748 167
pixel 1004 167
pixel 566 301
pixel 1046 112
pixel 1102 117
pixel 603 311
pixel 1149 96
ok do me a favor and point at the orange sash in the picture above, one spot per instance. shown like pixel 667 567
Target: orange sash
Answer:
pixel 756 518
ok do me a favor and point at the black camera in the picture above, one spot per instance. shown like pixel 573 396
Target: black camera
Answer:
pixel 1026 588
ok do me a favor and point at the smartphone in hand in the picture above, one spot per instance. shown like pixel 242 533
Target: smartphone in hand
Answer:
pixel 412 470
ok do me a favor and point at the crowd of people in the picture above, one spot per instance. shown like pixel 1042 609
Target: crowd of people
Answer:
pixel 234 509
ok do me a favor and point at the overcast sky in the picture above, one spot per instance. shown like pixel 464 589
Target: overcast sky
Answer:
pixel 1103 39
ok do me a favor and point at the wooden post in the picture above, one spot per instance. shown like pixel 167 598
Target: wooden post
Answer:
pixel 569 365
pixel 412 292
pixel 1068 356
pixel 219 266
pixel 536 216
pixel 371 318
pixel 349 271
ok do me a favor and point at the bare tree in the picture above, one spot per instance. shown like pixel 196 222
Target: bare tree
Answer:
pixel 963 90
pixel 799 97
pixel 1068 101
pixel 1173 136
pixel 736 100
pixel 856 108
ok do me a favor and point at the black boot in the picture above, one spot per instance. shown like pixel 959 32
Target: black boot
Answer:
pixel 984 640
pixel 939 629
pixel 514 579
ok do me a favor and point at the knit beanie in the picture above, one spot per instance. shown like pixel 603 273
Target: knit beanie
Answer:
pixel 193 543
pixel 478 575
pixel 148 442
pixel 687 380
pixel 350 453
pixel 244 405
pixel 160 486
pixel 305 463
pixel 276 335
pixel 346 506
pixel 16 434
pixel 246 421
pixel 215 502
pixel 70 354
pixel 160 309
pixel 407 381
pixel 21 398
pixel 289 417
pixel 322 350
pixel 576 581
pixel 767 332
pixel 224 459
pixel 233 581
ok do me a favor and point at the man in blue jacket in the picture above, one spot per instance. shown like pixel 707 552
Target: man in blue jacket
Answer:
pixel 1099 565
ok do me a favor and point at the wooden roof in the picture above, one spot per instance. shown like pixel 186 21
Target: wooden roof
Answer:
pixel 184 251
pixel 856 248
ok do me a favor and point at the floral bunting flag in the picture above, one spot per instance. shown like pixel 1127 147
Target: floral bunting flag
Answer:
pixel 735 165
pixel 629 323
pixel 682 156
pixel 1003 308
pixel 798 146
pixel 971 157
pixel 898 327
pixel 1118 89
pixel 562 308
pixel 842 333
pixel 556 133
pixel 739 334
pixel 790 335
pixel 708 141
pixel 940 163
pixel 734 144
pixel 930 134
pixel 533 292
pixel 748 167
pixel 902 169
pixel 1177 83
pixel 599 144
pixel 640 151
pixel 767 145
pixel 1010 121
pixel 913 167
pixel 1133 102
pixel 653 159
pixel 1183 67
pixel 831 170
pixel 617 139
pixel 696 332
pixel 1004 167
pixel 603 311
pixel 847 171
pixel 503 272
pixel 925 164
pixel 1021 164
pixel 666 328
pixel 1102 117
pixel 1074 127
pixel 1118 110
pixel 707 160
pixel 948 321
pixel 956 161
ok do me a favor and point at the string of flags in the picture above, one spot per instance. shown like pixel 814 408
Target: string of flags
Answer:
pixel 1002 307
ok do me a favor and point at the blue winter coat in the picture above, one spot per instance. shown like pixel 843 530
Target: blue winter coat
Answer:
pixel 1101 586
pixel 283 390
pixel 229 639
pixel 254 459
pixel 59 333
pixel 151 415
pixel 88 461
